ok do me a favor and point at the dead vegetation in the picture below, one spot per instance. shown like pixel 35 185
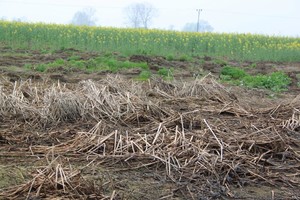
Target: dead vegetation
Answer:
pixel 195 131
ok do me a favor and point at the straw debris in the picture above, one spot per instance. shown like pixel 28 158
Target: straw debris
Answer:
pixel 191 130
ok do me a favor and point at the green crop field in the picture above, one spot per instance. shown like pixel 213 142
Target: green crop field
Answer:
pixel 151 42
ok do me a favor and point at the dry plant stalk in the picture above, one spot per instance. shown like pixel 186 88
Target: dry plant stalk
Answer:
pixel 52 180
pixel 192 129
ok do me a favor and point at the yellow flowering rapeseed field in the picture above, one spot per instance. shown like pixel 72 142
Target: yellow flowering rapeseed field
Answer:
pixel 153 42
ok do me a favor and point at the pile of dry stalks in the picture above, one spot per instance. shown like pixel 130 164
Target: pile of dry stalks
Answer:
pixel 193 129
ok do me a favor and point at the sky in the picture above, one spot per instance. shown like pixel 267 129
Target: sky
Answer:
pixel 270 17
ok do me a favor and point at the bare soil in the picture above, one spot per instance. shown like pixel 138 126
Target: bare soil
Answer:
pixel 260 135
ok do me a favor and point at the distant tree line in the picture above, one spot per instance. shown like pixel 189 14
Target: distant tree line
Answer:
pixel 138 15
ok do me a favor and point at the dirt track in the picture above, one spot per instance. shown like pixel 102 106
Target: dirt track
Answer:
pixel 195 139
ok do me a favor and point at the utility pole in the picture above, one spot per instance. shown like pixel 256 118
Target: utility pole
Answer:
pixel 199 11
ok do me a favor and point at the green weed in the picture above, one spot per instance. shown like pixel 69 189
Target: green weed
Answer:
pixel 253 65
pixel 74 58
pixel 144 75
pixel 220 62
pixel 28 66
pixel 233 72
pixel 166 73
pixel 41 67
pixel 170 57
pixel 101 63
pixel 184 58
pixel 276 81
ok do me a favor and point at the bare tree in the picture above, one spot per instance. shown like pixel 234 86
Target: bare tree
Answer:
pixel 139 15
pixel 85 17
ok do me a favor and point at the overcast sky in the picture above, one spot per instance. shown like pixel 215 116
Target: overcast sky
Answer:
pixel 272 17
